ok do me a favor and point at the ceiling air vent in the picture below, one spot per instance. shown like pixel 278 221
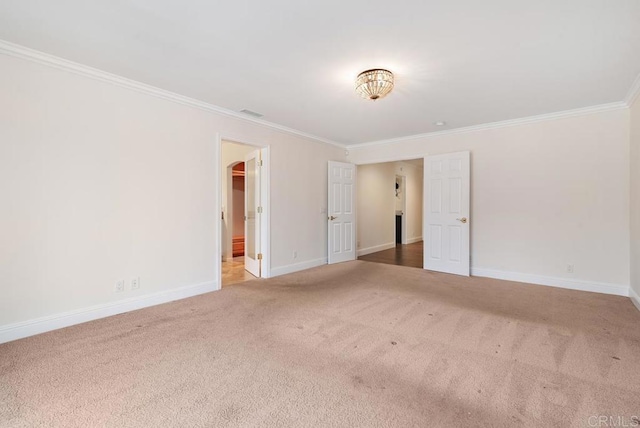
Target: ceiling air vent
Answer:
pixel 251 113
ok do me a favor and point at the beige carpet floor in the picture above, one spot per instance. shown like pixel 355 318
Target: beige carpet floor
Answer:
pixel 352 345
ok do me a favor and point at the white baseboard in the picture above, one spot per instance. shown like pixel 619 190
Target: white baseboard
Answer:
pixel 283 270
pixel 572 284
pixel 53 322
pixel 634 297
pixel 375 249
pixel 414 240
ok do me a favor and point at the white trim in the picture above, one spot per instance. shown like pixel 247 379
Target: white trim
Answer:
pixel 635 299
pixel 376 248
pixel 501 124
pixel 65 319
pixel 22 52
pixel 25 53
pixel 572 284
pixel 633 93
pixel 414 239
pixel 283 270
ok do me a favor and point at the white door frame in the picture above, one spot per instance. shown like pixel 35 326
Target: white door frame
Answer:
pixel 265 190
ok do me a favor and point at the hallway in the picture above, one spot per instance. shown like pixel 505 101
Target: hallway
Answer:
pixel 409 255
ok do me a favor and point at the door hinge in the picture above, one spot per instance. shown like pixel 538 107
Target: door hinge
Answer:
pixel 260 162
pixel 259 210
pixel 259 256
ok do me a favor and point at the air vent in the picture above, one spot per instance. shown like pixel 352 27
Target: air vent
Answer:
pixel 251 113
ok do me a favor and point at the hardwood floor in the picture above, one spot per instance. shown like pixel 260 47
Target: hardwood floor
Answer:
pixel 233 272
pixel 410 255
pixel 402 255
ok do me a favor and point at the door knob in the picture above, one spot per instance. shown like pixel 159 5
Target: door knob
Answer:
pixel 462 220
pixel 332 217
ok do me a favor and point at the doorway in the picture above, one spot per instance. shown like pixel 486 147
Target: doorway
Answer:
pixel 244 233
pixel 233 265
pixel 389 212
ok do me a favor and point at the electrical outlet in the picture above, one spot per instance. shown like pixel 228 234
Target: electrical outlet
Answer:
pixel 569 268
pixel 135 283
pixel 295 254
pixel 120 286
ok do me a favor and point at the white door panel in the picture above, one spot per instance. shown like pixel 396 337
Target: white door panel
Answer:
pixel 252 214
pixel 341 212
pixel 447 182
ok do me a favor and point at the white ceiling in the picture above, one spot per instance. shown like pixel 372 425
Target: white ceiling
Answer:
pixel 464 62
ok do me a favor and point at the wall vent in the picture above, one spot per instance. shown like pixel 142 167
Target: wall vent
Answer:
pixel 250 113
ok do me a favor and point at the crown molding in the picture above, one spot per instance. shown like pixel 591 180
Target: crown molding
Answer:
pixel 634 92
pixel 501 124
pixel 18 51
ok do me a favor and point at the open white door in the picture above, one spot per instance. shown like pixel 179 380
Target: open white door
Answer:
pixel 341 212
pixel 447 182
pixel 252 213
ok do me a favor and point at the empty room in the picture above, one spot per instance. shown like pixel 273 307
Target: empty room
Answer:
pixel 332 214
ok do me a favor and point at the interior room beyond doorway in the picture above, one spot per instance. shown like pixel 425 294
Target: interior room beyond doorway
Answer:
pixel 234 213
pixel 389 211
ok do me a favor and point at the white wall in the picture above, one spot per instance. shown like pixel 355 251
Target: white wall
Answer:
pixel 376 204
pixel 375 209
pixel 100 182
pixel 544 195
pixel 635 201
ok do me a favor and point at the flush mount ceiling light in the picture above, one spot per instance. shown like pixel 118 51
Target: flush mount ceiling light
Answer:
pixel 374 84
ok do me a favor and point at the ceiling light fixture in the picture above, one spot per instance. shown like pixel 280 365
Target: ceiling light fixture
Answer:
pixel 440 123
pixel 374 84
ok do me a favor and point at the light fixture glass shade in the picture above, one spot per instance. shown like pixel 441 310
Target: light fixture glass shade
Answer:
pixel 374 84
